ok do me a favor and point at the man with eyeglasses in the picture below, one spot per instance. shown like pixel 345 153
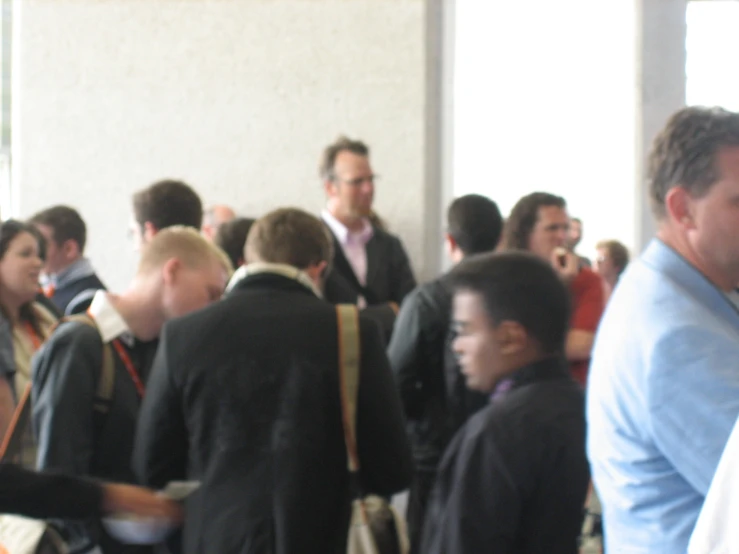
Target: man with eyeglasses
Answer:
pixel 370 266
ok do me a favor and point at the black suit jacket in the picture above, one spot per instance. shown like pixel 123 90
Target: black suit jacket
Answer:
pixel 389 279
pixel 432 387
pixel 72 437
pixel 514 479
pixel 244 397
pixel 389 274
pixel 70 298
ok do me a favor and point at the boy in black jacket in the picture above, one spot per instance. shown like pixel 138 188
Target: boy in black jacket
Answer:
pixel 514 478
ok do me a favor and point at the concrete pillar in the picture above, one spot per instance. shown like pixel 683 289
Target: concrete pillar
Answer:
pixel 439 121
pixel 660 88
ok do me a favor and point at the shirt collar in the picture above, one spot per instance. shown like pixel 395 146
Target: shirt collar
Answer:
pixel 666 260
pixel 73 272
pixel 546 369
pixel 343 234
pixel 108 319
pixel 289 271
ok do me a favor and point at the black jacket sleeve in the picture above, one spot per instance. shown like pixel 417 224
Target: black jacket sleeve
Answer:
pixel 160 450
pixel 476 506
pixel 64 379
pixel 403 279
pixel 65 372
pixel 41 495
pixel 384 452
pixel 407 355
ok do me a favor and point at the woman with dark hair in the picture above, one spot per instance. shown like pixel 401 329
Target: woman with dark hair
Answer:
pixel 24 323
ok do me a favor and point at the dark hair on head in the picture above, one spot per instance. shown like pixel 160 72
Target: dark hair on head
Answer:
pixel 618 253
pixel 289 236
pixel 66 224
pixel 475 223
pixel 166 204
pixel 524 216
pixel 341 144
pixel 231 238
pixel 520 287
pixel 684 153
pixel 9 230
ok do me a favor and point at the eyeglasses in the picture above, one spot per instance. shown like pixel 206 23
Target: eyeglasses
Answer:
pixel 358 181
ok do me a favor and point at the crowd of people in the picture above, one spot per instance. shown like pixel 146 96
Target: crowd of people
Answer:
pixel 222 363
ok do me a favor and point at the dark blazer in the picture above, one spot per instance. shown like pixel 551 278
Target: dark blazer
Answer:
pixel 389 274
pixel 389 279
pixel 70 298
pixel 71 436
pixel 244 397
pixel 514 479
pixel 432 388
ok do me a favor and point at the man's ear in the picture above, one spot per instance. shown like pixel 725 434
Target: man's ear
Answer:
pixel 450 243
pixel 149 231
pixel 329 187
pixel 512 337
pixel 316 271
pixel 679 207
pixel 71 249
pixel 170 271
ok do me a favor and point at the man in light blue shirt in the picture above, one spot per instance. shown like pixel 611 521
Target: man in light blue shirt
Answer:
pixel 663 394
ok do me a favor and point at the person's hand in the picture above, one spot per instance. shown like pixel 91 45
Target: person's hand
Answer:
pixel 566 264
pixel 139 501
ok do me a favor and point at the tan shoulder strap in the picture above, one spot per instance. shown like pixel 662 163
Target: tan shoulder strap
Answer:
pixel 349 356
pixel 104 392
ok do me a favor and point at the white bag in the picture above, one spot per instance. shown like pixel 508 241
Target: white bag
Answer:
pixel 20 535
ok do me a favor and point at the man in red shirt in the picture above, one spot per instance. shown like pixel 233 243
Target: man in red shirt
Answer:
pixel 539 223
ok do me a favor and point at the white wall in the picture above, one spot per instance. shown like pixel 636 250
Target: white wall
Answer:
pixel 237 97
pixel 544 101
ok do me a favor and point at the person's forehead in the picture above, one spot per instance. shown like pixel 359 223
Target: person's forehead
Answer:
pixel 468 303
pixel 349 161
pixel 23 239
pixel 552 214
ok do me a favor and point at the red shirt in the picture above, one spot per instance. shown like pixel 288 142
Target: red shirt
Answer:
pixel 588 303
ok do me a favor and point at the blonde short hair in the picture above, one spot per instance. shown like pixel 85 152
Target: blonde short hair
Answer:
pixel 184 243
pixel 289 236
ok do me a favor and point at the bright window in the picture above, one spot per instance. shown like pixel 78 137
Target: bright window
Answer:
pixel 544 101
pixel 711 47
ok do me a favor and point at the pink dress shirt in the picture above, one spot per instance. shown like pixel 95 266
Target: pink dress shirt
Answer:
pixel 353 244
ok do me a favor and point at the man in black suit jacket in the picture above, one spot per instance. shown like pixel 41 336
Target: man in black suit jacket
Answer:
pixel 370 266
pixel 432 388
pixel 244 397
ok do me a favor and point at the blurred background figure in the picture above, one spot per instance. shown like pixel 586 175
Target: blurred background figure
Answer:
pixel 610 263
pixel 231 238
pixel 214 217
pixel 574 236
